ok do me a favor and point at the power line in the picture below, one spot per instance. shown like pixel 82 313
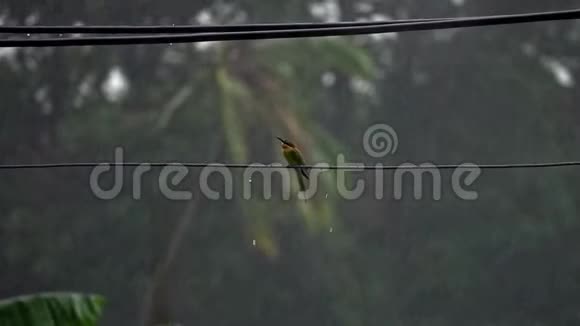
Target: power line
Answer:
pixel 180 29
pixel 272 166
pixel 296 33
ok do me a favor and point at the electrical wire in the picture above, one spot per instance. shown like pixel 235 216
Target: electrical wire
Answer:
pixel 180 29
pixel 319 167
pixel 296 33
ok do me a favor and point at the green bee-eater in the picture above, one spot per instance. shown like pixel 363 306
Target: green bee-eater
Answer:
pixel 294 157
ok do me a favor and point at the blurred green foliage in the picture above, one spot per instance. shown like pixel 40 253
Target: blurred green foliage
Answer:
pixel 66 309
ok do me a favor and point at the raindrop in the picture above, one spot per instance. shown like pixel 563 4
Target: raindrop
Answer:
pixel 59 35
pixel 28 35
pixel 250 180
pixel 331 230
pixel 170 44
pixel 254 243
pixel 326 196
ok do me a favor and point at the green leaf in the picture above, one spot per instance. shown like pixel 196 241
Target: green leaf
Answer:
pixel 48 309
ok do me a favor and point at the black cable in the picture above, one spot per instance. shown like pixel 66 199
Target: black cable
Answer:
pixel 194 29
pixel 296 33
pixel 260 166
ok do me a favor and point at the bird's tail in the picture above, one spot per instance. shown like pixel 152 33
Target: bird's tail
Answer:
pixel 301 182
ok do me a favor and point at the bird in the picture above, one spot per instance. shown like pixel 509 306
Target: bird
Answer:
pixel 294 157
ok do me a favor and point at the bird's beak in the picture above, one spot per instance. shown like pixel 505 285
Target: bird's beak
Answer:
pixel 282 140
